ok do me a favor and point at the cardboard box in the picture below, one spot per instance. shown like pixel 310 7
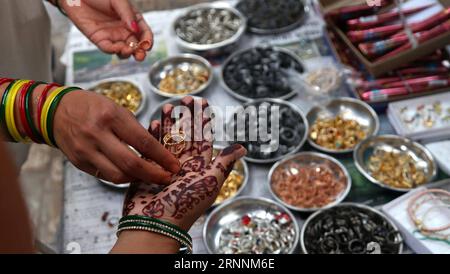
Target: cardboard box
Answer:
pixel 381 67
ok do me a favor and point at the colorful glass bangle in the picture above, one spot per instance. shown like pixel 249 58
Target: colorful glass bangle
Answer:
pixel 42 101
pixel 29 94
pixel 22 110
pixel 52 111
pixel 2 105
pixel 44 114
pixel 9 112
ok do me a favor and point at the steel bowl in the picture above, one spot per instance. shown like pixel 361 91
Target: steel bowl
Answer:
pixel 359 206
pixel 211 49
pixel 300 144
pixel 310 158
pixel 233 210
pixel 424 158
pixel 134 83
pixel 241 97
pixel 160 69
pixel 349 108
pixel 290 27
pixel 242 168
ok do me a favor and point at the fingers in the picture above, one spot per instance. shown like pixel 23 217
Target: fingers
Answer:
pixel 146 38
pixel 131 164
pixel 155 130
pixel 126 13
pixel 106 170
pixel 166 119
pixel 224 162
pixel 131 132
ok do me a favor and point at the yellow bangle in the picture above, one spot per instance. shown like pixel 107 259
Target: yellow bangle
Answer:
pixel 9 112
pixel 45 111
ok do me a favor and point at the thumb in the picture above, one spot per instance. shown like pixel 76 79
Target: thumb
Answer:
pixel 126 13
pixel 223 164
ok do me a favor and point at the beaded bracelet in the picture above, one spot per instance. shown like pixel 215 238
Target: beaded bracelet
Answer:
pixel 144 223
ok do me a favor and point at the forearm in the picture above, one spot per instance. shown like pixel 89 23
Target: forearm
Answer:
pixel 143 242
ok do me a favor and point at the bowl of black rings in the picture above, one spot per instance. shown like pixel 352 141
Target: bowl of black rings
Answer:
pixel 269 129
pixel 273 16
pixel 350 228
pixel 262 72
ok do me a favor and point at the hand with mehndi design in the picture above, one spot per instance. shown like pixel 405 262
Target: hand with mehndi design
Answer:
pixel 195 188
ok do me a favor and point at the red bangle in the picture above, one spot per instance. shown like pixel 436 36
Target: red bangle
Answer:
pixel 22 111
pixel 5 80
pixel 42 101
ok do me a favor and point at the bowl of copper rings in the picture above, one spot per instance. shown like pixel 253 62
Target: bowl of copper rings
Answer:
pixel 273 16
pixel 270 129
pixel 125 93
pixel 350 228
pixel 309 181
pixel 249 225
pixel 235 183
pixel 180 75
pixel 395 162
pixel 262 72
pixel 209 28
pixel 340 125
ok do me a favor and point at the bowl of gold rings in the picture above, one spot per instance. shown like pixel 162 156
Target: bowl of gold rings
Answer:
pixel 394 162
pixel 185 74
pixel 235 183
pixel 119 186
pixel 125 93
pixel 341 124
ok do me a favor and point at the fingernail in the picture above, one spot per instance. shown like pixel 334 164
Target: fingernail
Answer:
pixel 135 27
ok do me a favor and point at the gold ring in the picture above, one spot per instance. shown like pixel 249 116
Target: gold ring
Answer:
pixel 176 141
pixel 133 45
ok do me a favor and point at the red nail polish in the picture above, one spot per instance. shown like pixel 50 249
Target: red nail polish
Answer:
pixel 135 27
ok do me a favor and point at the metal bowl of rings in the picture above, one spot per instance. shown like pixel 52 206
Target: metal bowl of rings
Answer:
pixel 222 230
pixel 224 26
pixel 119 186
pixel 235 183
pixel 385 237
pixel 242 73
pixel 323 169
pixel 360 118
pixel 185 74
pixel 123 92
pixel 293 133
pixel 406 164
pixel 273 16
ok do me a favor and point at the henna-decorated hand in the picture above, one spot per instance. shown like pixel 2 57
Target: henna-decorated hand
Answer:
pixel 195 188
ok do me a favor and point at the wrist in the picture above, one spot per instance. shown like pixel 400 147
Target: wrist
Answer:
pixel 135 241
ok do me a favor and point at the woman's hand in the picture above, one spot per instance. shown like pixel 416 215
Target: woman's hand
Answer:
pixel 94 133
pixel 195 188
pixel 112 25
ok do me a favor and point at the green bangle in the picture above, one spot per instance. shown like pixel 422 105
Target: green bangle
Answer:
pixel 3 109
pixel 149 219
pixel 158 226
pixel 52 111
pixel 185 245
pixel 30 121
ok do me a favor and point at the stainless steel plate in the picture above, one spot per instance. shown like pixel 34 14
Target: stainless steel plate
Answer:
pixel 235 209
pixel 160 69
pixel 211 49
pixel 349 108
pixel 241 97
pixel 303 138
pixel 308 158
pixel 424 159
pixel 311 218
